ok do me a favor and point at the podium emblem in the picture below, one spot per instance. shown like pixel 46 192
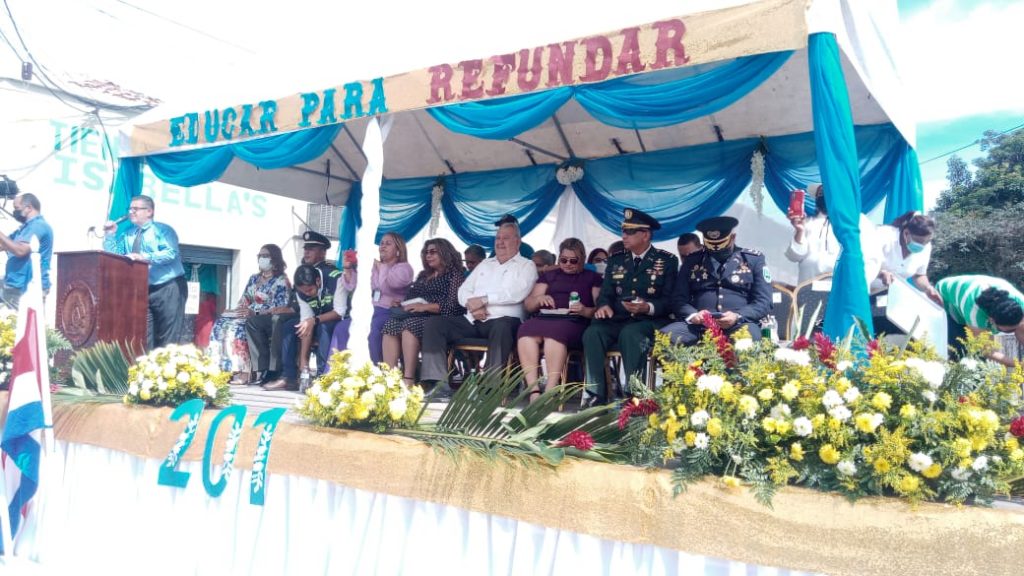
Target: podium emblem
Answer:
pixel 77 313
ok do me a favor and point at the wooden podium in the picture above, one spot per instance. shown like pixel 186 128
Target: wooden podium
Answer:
pixel 102 296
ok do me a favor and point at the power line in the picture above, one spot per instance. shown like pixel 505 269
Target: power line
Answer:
pixel 185 26
pixel 965 146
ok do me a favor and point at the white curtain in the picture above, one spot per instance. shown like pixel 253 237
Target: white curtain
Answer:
pixel 102 511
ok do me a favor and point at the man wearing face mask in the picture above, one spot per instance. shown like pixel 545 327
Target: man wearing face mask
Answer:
pixel 19 261
pixel 730 283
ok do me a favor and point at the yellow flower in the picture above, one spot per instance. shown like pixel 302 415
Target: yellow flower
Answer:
pixel 732 481
pixel 828 454
pixel 909 484
pixel 932 471
pixel 783 426
pixel 652 420
pixel 818 421
pixel 765 394
pixel 882 466
pixel 791 389
pixel 1012 444
pixel 796 452
pixel 748 404
pixel 690 437
pixel 908 411
pixel 962 447
pixel 842 384
pixel 672 428
pixel 881 401
pixel 835 424
pixel 768 424
pixel 714 427
pixel 681 410
pixel 978 443
pixel 1017 455
pixel 145 395
pixel 867 422
pixel 360 411
pixel 727 392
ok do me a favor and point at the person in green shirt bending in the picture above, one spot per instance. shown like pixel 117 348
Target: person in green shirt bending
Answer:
pixel 982 303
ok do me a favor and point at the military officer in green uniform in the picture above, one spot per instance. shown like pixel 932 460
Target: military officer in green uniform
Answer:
pixel 633 303
pixel 730 282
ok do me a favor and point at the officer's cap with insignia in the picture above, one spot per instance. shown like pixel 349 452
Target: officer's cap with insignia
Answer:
pixel 311 239
pixel 717 230
pixel 633 219
pixel 506 219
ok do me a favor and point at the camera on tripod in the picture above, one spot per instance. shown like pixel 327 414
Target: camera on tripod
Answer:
pixel 8 187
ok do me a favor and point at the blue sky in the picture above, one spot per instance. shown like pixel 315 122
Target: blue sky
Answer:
pixel 961 60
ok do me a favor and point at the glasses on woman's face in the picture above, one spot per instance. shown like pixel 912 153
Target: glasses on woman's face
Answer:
pixel 572 260
pixel 430 251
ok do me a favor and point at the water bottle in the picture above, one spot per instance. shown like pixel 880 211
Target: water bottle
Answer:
pixel 766 328
pixel 574 298
pixel 304 380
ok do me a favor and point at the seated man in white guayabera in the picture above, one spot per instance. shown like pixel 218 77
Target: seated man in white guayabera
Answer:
pixel 493 296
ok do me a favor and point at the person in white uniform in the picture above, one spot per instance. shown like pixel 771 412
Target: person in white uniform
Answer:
pixel 906 248
pixel 815 247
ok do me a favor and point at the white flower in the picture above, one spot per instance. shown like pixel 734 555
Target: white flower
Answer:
pixel 841 413
pixel 802 426
pixel 961 474
pixel 351 383
pixel 315 389
pixel 801 357
pixel 169 371
pixel 368 398
pixel 183 377
pixel 969 363
pixel 701 441
pixel 210 388
pixel 378 389
pixel 324 398
pixel 700 418
pixel 846 467
pixel 929 396
pixel 397 407
pixel 980 463
pixel 780 411
pixel 852 394
pixel 743 344
pixel 710 383
pixel 844 365
pixel 334 387
pixel 737 458
pixel 133 389
pixel 932 372
pixel 919 461
pixel 162 384
pixel 831 399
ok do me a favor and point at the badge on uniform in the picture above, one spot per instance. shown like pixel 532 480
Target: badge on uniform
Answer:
pixel 735 279
pixel 767 274
pixel 376 295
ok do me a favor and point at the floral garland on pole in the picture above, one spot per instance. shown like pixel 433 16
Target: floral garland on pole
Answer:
pixel 571 171
pixel 757 181
pixel 436 194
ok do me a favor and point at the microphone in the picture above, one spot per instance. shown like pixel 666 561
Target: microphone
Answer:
pixel 92 229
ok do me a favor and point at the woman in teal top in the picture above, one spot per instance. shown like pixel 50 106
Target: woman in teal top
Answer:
pixel 982 303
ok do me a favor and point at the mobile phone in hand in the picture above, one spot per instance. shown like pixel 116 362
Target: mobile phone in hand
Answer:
pixel 796 202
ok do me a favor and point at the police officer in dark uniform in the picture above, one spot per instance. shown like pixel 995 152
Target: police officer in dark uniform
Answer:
pixel 633 303
pixel 730 282
pixel 326 313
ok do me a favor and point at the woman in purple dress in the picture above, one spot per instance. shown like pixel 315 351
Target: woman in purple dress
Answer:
pixel 556 334
pixel 437 288
pixel 389 280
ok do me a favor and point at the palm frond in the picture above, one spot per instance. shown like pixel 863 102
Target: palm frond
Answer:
pixel 101 368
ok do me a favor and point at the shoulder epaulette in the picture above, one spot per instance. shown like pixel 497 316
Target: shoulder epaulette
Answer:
pixel 752 251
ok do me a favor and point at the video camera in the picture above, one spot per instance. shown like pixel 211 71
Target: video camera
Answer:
pixel 8 187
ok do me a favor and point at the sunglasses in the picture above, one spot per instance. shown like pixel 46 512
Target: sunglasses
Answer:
pixel 631 231
pixel 430 251
pixel 573 260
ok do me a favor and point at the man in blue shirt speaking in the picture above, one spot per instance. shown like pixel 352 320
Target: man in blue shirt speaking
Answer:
pixel 157 244
pixel 19 263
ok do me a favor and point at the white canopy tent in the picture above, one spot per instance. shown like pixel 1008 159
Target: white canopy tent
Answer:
pixel 413 144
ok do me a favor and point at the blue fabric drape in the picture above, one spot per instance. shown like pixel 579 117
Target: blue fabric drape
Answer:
pixel 127 183
pixel 678 187
pixel 837 156
pixel 646 101
pixel 908 192
pixel 791 162
pixel 351 219
pixel 404 206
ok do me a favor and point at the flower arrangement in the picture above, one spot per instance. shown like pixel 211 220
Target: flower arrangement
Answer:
pixel 436 194
pixel 887 421
pixel 369 397
pixel 174 374
pixel 569 172
pixel 8 328
pixel 757 181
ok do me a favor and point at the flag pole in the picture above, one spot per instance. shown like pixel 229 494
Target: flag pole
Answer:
pixel 5 521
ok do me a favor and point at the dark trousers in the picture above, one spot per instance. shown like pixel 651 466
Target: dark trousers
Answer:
pixel 634 337
pixel 290 345
pixel 689 334
pixel 441 332
pixel 165 317
pixel 264 336
pixel 380 316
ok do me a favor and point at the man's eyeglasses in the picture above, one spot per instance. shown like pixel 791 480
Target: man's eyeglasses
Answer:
pixel 573 260
pixel 137 208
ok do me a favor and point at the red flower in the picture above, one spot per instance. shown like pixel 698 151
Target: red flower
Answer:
pixel 697 372
pixel 873 348
pixel 579 440
pixel 1017 427
pixel 801 343
pixel 725 349
pixel 826 350
pixel 963 399
pixel 634 407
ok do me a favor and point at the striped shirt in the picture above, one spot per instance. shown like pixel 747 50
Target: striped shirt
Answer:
pixel 960 295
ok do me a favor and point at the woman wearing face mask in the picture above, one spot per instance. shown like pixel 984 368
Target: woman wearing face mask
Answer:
pixel 906 249
pixel 267 292
pixel 597 260
pixel 982 304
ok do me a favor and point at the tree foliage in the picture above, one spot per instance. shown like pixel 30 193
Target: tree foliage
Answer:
pixel 980 217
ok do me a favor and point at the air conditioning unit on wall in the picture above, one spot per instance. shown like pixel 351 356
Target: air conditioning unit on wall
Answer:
pixel 325 219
